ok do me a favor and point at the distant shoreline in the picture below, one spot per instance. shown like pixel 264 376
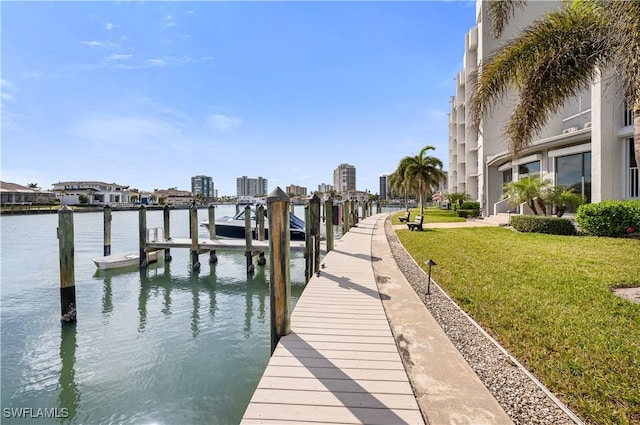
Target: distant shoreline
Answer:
pixel 52 209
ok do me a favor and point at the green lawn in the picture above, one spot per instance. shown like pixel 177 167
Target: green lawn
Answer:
pixel 431 215
pixel 548 300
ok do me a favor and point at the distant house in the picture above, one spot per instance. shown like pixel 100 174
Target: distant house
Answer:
pixel 15 194
pixel 92 193
pixel 173 196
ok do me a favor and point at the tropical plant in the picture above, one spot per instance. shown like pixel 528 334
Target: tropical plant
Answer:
pixel 423 170
pixel 563 198
pixel 538 194
pixel 528 189
pixel 458 198
pixel 555 59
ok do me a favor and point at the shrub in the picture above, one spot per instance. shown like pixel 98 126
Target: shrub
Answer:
pixel 470 206
pixel 609 218
pixel 468 213
pixel 543 224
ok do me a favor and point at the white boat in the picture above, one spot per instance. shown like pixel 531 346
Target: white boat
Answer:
pixel 233 227
pixel 124 259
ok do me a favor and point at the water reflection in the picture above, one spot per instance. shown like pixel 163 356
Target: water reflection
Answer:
pixel 69 397
pixel 195 316
pixel 107 301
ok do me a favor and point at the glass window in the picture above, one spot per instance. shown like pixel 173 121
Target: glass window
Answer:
pixel 529 168
pixel 507 176
pixel 632 154
pixel 574 172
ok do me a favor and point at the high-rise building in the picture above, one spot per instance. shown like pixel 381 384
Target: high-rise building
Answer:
pixel 325 188
pixel 203 185
pixel 251 187
pixel 296 190
pixel 587 145
pixel 344 178
pixel 384 186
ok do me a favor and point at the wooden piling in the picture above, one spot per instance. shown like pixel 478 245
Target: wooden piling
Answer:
pixel 328 212
pixel 142 236
pixel 213 258
pixel 279 265
pixel 314 216
pixel 346 217
pixel 193 234
pixel 260 222
pixel 166 231
pixel 308 244
pixel 107 230
pixel 248 236
pixel 354 212
pixel 67 265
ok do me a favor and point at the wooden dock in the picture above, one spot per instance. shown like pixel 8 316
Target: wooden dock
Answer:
pixel 340 364
pixel 205 245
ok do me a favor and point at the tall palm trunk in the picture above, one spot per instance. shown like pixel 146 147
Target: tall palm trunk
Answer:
pixel 636 131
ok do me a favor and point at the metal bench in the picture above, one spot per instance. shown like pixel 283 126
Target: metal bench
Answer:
pixel 406 218
pixel 417 224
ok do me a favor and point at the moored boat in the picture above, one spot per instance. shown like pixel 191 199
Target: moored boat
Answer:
pixel 121 260
pixel 233 227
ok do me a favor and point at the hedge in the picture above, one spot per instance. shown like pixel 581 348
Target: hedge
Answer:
pixel 609 218
pixel 470 206
pixel 543 224
pixel 468 213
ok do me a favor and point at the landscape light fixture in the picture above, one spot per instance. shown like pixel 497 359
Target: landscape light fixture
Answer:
pixel 429 263
pixel 509 212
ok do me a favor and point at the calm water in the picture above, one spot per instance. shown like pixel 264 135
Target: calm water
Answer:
pixel 163 346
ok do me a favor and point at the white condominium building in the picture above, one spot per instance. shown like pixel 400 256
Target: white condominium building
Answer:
pixel 588 146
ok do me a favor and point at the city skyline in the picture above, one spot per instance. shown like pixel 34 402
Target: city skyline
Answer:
pixel 148 94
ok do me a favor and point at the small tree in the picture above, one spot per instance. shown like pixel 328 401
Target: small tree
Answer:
pixel 526 190
pixel 458 198
pixel 562 198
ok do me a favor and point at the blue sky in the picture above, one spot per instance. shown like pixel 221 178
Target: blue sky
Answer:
pixel 148 94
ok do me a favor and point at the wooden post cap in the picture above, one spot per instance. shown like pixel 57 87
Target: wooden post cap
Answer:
pixel 277 195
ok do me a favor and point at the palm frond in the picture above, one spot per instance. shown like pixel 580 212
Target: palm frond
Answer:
pixel 500 11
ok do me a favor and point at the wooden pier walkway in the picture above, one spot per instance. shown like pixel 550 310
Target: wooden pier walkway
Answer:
pixel 340 364
pixel 222 244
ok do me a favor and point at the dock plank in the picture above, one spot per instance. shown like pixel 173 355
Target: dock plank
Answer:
pixel 340 364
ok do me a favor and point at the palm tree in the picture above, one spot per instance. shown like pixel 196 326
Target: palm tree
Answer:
pixel 527 189
pixel 562 198
pixel 458 198
pixel 424 170
pixel 556 58
pixel 399 182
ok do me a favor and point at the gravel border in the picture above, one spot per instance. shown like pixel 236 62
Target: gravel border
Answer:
pixel 519 393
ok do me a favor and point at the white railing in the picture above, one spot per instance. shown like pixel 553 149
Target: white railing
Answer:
pixel 634 183
pixel 502 206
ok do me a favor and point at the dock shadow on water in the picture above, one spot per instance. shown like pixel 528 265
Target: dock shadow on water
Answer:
pixel 164 345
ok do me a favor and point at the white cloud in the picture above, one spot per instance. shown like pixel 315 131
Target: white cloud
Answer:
pixel 155 62
pixel 109 26
pixel 7 96
pixel 116 57
pixel 5 84
pixel 223 122
pixel 170 21
pixel 190 12
pixel 126 130
pixel 102 44
pixel 93 43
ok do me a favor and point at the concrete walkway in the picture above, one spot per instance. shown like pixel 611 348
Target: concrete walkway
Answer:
pixel 342 362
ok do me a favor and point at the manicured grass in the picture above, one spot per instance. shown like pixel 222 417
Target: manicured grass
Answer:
pixel 431 215
pixel 548 300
